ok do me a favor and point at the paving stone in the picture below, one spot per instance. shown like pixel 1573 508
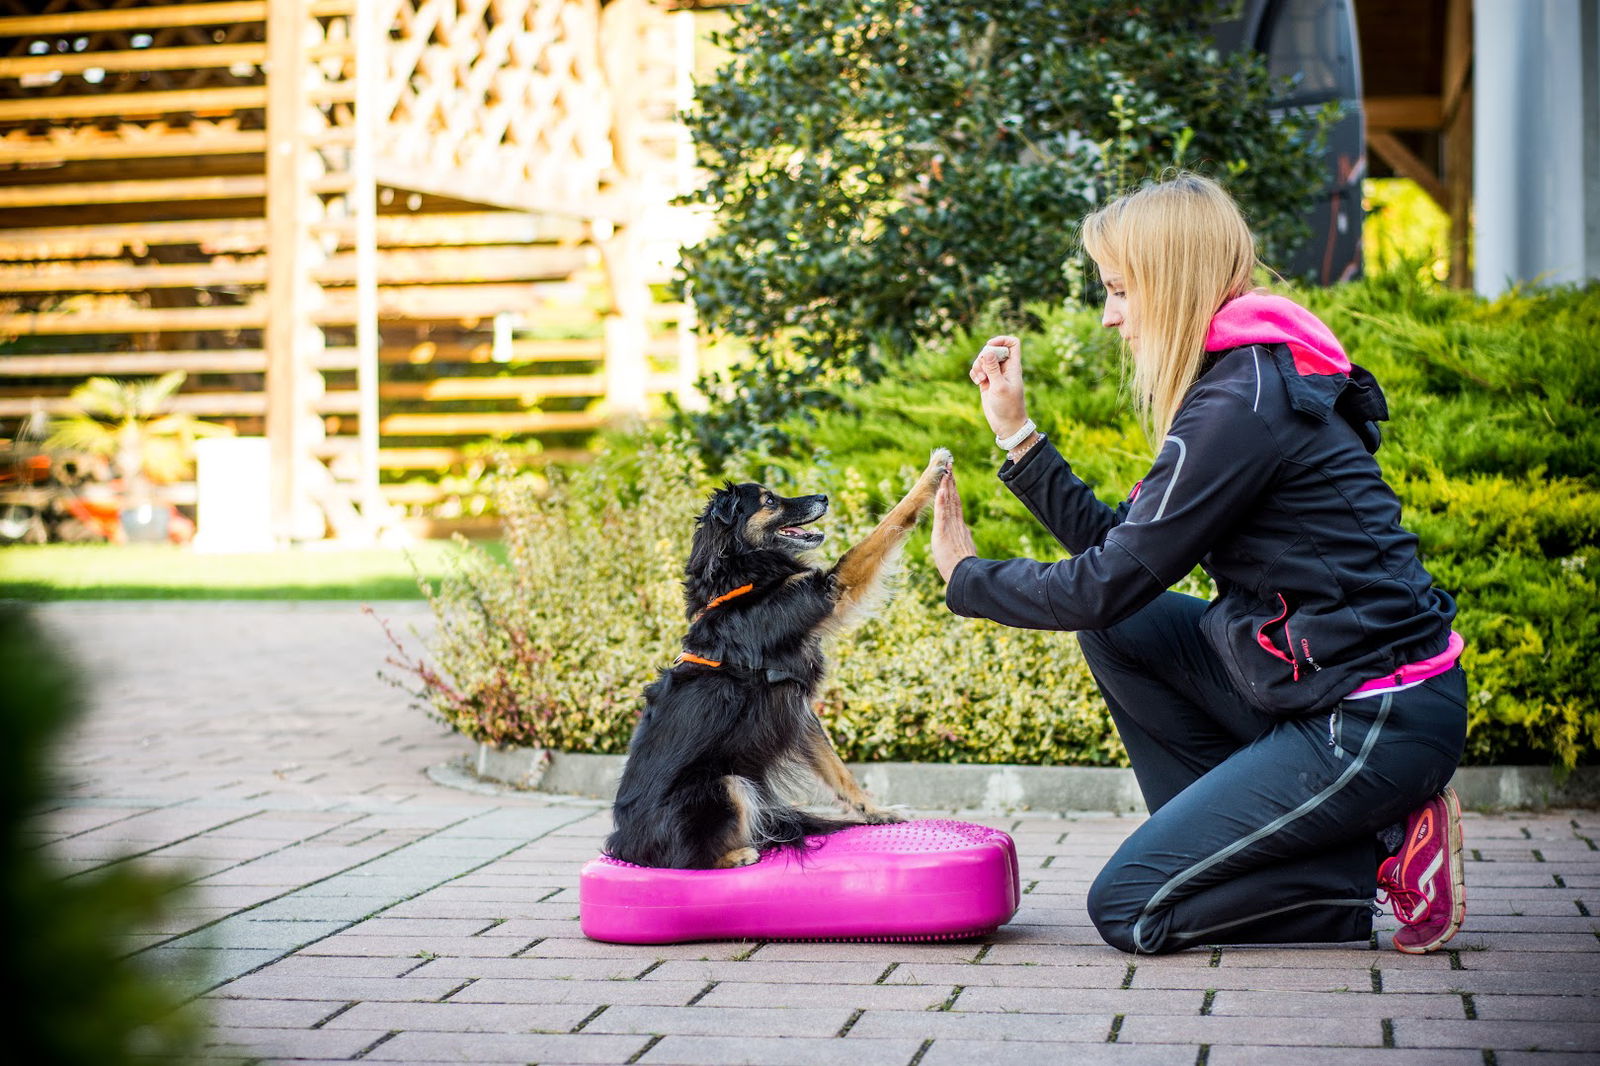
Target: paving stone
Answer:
pixel 778 1051
pixel 1107 1001
pixel 708 1021
pixel 292 1043
pixel 589 993
pixel 1276 1055
pixel 508 1048
pixel 1286 1031
pixel 941 1025
pixel 269 1013
pixel 1498 1033
pixel 455 1017
pixel 815 994
pixel 947 1052
pixel 1353 1004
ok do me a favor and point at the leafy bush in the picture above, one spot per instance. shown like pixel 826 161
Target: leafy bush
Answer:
pixel 883 171
pixel 75 997
pixel 1493 450
pixel 553 647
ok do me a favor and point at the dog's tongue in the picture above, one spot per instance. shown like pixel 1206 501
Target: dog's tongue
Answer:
pixel 792 531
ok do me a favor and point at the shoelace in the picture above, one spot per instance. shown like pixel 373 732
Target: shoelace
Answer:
pixel 1409 905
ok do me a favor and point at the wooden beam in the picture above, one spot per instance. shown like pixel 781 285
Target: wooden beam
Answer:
pixel 1405 163
pixel 97 105
pixel 40 150
pixel 489 424
pixel 158 320
pixel 1403 112
pixel 67 23
pixel 139 59
pixel 117 276
pixel 448 181
pixel 122 364
pixel 72 194
pixel 206 404
pixel 527 388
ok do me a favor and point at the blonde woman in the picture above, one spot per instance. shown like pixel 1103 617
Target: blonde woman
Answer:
pixel 1292 737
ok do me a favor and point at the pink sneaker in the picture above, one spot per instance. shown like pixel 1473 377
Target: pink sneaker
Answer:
pixel 1425 883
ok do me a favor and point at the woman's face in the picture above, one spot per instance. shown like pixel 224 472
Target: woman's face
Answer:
pixel 1116 312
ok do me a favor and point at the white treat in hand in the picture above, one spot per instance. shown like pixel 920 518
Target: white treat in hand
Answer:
pixel 1000 352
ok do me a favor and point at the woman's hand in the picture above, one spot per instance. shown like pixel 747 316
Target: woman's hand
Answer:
pixel 952 540
pixel 999 380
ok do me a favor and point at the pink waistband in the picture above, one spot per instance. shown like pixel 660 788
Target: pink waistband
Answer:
pixel 1411 673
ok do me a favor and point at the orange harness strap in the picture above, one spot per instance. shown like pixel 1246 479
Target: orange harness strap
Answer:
pixel 724 598
pixel 690 657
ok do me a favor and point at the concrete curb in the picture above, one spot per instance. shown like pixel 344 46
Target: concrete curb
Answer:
pixel 993 789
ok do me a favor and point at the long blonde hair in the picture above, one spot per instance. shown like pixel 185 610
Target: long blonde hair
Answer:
pixel 1184 249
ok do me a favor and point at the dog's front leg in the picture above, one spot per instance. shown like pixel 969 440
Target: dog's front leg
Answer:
pixel 837 776
pixel 858 570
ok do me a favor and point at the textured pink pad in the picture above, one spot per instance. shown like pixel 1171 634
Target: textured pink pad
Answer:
pixel 924 880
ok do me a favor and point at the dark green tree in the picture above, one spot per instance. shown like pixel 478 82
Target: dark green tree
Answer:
pixel 885 170
pixel 77 995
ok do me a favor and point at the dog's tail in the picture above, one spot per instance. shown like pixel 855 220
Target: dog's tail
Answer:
pixel 790 827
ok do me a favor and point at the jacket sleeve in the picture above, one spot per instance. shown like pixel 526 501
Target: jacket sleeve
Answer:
pixel 1058 498
pixel 1216 461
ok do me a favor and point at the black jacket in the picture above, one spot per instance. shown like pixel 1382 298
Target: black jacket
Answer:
pixel 1267 480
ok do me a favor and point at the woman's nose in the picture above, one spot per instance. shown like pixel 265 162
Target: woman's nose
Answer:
pixel 1111 317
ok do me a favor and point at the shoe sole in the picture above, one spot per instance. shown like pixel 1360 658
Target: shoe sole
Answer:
pixel 1458 877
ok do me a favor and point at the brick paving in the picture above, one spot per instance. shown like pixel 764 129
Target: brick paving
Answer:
pixel 346 907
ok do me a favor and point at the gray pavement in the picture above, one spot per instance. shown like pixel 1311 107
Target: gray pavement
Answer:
pixel 346 907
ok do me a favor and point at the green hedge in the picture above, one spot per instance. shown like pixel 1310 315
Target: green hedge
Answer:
pixel 1492 449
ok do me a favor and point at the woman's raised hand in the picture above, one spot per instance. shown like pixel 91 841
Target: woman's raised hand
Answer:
pixel 997 371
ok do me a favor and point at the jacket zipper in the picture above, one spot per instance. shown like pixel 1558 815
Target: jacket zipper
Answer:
pixel 1266 642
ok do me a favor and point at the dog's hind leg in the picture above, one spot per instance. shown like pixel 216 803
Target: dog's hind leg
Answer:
pixel 738 848
pixel 858 572
pixel 819 754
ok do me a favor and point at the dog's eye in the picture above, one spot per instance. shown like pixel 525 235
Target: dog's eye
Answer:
pixel 769 500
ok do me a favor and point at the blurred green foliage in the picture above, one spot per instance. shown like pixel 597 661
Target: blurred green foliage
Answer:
pixel 884 171
pixel 76 997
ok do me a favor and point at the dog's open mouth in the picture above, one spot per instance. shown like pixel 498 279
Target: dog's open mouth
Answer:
pixel 801 537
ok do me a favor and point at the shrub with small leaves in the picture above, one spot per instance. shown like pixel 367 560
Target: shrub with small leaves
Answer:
pixel 553 647
pixel 883 171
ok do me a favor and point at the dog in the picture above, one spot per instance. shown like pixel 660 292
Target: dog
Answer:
pixel 730 725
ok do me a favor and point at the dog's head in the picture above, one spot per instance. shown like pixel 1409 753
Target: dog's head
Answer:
pixel 751 517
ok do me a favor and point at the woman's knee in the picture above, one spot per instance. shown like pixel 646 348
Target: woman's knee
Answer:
pixel 1116 904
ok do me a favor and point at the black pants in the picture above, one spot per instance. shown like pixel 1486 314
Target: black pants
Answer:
pixel 1261 829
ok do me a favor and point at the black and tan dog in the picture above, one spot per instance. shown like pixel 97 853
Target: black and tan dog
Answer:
pixel 731 723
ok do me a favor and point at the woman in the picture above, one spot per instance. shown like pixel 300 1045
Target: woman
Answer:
pixel 1293 737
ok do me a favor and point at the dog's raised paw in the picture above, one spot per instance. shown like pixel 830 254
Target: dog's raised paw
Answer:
pixel 942 459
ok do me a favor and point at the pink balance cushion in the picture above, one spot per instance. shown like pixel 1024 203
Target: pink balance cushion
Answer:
pixel 923 880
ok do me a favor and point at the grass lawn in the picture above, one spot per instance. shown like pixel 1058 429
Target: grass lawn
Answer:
pixel 158 572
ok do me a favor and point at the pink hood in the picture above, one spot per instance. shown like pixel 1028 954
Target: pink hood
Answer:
pixel 1263 318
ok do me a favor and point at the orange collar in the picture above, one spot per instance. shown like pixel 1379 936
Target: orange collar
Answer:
pixel 690 657
pixel 724 598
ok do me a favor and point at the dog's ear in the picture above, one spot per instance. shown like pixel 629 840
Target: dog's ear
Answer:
pixel 723 506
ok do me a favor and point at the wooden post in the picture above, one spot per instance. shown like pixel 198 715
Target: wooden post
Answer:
pixel 363 202
pixel 290 327
pixel 626 329
pixel 1456 98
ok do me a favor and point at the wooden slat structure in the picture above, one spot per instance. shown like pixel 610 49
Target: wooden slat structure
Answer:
pixel 1416 64
pixel 375 230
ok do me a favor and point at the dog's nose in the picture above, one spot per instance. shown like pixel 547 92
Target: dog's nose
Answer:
pixel 823 497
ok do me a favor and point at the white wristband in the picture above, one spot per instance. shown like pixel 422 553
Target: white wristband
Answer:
pixel 1005 444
